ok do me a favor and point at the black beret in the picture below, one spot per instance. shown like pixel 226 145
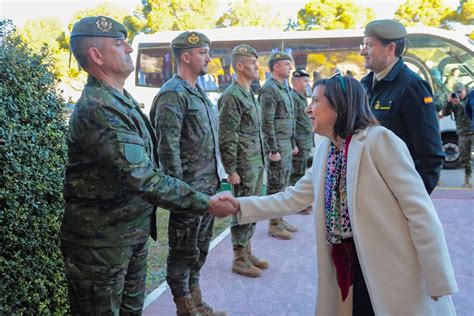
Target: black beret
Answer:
pixel 98 26
pixel 190 39
pixel 300 72
pixel 385 29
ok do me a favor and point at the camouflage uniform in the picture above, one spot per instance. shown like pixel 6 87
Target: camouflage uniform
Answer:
pixel 186 126
pixel 278 125
pixel 464 132
pixel 304 137
pixel 241 145
pixel 112 187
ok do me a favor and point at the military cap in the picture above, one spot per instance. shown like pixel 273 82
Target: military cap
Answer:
pixel 300 72
pixel 100 26
pixel 459 86
pixel 279 56
pixel 245 50
pixel 385 29
pixel 190 39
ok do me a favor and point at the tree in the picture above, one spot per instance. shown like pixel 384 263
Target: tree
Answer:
pixel 32 158
pixel 248 13
pixel 178 15
pixel 333 15
pixel 464 15
pixel 422 12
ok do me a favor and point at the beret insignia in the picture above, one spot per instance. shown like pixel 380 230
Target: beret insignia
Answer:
pixel 103 24
pixel 243 49
pixel 193 39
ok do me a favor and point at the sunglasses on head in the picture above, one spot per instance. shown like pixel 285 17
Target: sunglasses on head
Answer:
pixel 340 79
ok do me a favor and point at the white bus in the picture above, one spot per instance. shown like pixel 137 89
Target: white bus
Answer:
pixel 431 52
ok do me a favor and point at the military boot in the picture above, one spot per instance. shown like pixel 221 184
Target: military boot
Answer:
pixel 261 264
pixel 289 227
pixel 276 230
pixel 185 306
pixel 243 265
pixel 467 181
pixel 202 307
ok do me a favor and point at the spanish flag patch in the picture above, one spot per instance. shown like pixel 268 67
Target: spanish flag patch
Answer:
pixel 428 100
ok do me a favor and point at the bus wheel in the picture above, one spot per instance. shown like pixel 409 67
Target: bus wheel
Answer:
pixel 451 150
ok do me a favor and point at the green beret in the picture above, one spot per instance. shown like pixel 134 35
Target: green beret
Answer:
pixel 98 26
pixel 279 56
pixel 300 72
pixel 245 50
pixel 191 39
pixel 385 29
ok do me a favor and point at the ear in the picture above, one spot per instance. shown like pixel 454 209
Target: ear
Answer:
pixel 95 55
pixel 391 47
pixel 186 57
pixel 240 66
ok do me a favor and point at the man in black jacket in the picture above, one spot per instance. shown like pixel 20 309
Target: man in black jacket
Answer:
pixel 400 99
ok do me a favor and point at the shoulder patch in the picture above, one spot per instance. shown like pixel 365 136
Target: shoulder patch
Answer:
pixel 134 153
pixel 427 100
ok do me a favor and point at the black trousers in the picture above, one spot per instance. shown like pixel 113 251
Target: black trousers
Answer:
pixel 361 304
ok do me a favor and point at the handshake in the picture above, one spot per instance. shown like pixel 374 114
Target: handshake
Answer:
pixel 223 204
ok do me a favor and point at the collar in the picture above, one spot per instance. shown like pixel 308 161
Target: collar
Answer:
pixel 278 83
pixel 382 74
pixel 125 96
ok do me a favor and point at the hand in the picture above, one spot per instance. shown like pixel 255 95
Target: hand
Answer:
pixel 233 178
pixel 274 157
pixel 223 204
pixel 295 150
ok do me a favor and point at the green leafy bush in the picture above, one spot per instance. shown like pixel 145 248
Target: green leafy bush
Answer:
pixel 32 158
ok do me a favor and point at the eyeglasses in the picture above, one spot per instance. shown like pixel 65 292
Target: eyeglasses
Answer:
pixel 366 46
pixel 338 75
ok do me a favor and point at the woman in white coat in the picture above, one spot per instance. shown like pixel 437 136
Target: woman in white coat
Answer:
pixel 381 248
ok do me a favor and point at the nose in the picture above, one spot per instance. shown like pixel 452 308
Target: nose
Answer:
pixel 308 108
pixel 208 57
pixel 128 48
pixel 363 50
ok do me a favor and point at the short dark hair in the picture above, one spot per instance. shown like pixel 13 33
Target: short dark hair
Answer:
pixel 178 52
pixel 80 46
pixel 237 59
pixel 271 63
pixel 350 101
pixel 399 45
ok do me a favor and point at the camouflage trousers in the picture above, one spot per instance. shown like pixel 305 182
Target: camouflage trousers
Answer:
pixel 251 180
pixel 189 237
pixel 278 175
pixel 465 144
pixel 106 280
pixel 299 164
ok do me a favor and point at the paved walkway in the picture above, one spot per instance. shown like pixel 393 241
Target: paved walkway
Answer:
pixel 289 286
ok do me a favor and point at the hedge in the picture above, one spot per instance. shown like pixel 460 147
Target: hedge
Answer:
pixel 32 158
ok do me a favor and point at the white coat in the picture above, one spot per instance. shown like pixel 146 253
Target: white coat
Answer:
pixel 397 234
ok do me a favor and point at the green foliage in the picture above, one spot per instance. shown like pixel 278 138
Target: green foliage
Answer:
pixel 32 156
pixel 464 14
pixel 422 12
pixel 248 13
pixel 178 15
pixel 333 15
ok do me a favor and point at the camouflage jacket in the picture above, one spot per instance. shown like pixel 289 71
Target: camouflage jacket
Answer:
pixel 278 119
pixel 185 122
pixel 240 133
pixel 463 121
pixel 112 178
pixel 304 130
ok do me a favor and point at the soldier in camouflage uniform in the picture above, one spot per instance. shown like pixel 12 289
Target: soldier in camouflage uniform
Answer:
pixel 186 126
pixel 241 145
pixel 463 128
pixel 304 130
pixel 113 183
pixel 278 126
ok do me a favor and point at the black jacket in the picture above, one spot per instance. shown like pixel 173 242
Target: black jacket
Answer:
pixel 403 103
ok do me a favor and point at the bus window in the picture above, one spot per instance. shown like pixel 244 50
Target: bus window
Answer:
pixel 154 67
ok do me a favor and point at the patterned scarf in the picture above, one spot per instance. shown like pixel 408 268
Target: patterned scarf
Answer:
pixel 338 226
